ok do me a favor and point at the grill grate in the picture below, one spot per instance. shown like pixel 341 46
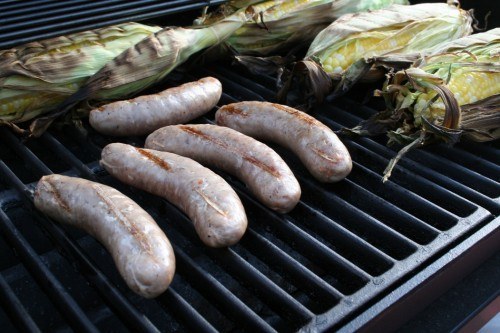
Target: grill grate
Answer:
pixel 343 248
pixel 21 24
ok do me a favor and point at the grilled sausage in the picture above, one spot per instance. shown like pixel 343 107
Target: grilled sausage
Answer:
pixel 144 114
pixel 319 149
pixel 215 209
pixel 261 168
pixel 140 249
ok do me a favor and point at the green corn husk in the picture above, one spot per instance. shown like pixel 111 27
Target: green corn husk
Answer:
pixel 277 26
pixel 346 50
pixel 150 60
pixel 143 64
pixel 452 93
pixel 37 76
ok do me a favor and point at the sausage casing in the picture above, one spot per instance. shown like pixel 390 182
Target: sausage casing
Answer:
pixel 141 251
pixel 210 202
pixel 264 172
pixel 144 114
pixel 317 146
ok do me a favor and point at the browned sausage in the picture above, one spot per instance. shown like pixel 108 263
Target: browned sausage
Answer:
pixel 215 209
pixel 144 114
pixel 261 168
pixel 321 151
pixel 141 251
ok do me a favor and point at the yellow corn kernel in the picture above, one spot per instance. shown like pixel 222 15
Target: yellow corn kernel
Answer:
pixel 277 11
pixel 344 54
pixel 467 87
pixel 474 86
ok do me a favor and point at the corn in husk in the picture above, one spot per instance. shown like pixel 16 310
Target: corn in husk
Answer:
pixel 452 93
pixel 143 64
pixel 37 76
pixel 150 60
pixel 470 68
pixel 346 50
pixel 397 29
pixel 276 26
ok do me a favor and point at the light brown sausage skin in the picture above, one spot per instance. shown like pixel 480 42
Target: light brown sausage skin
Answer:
pixel 264 172
pixel 144 114
pixel 210 202
pixel 317 146
pixel 141 251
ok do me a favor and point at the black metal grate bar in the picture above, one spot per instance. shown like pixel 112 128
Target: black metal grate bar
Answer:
pixel 61 150
pixel 296 236
pixel 266 289
pixel 356 219
pixel 61 11
pixel 316 251
pixel 11 304
pixel 19 5
pixel 293 270
pixel 191 318
pixel 27 155
pixel 348 244
pixel 392 214
pixel 216 292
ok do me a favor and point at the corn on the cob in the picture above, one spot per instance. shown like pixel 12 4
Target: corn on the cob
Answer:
pixel 276 26
pixel 468 84
pixel 397 29
pixel 37 76
pixel 144 64
pixel 451 93
pixel 468 67
pixel 346 50
pixel 153 58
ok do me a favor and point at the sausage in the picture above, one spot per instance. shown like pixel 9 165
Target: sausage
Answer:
pixel 317 146
pixel 267 176
pixel 210 202
pixel 144 114
pixel 141 251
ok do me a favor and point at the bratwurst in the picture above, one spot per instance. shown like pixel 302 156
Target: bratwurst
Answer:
pixel 210 202
pixel 264 172
pixel 317 146
pixel 141 251
pixel 144 114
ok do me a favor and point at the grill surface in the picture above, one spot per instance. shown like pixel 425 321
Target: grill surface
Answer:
pixel 344 247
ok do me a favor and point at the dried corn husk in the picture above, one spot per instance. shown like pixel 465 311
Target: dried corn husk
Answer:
pixel 37 76
pixel 346 49
pixel 452 93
